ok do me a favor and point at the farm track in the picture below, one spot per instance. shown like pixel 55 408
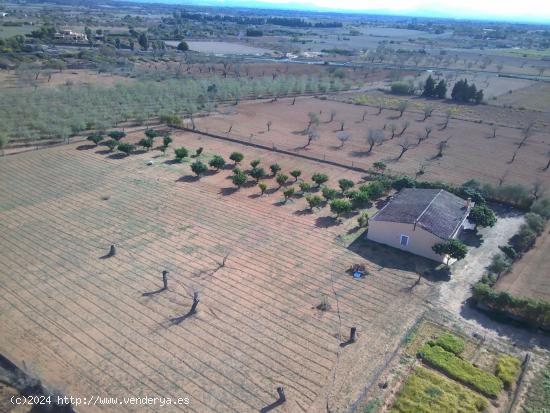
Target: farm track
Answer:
pixel 255 326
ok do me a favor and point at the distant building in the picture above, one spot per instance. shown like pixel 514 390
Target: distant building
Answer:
pixel 416 219
pixel 3 14
pixel 70 35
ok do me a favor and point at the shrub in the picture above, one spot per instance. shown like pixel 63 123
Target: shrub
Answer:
pixel 340 206
pixel 507 369
pixel 401 88
pixel 498 264
pixel 379 166
pixel 345 184
pixel 313 201
pixel 263 187
pixel 116 135
pixel 403 181
pixel 257 173
pixel 319 178
pixel 287 193
pixel 535 222
pixel 524 239
pixel 363 220
pixel 166 140
pixel 151 133
pixel 542 207
pixel 254 163
pixel 275 168
pixel 217 162
pixel 304 187
pixel 111 144
pixel 375 189
pixel 295 174
pixel 198 168
pixel 329 193
pixel 509 251
pixel 126 148
pixel 482 215
pixel 461 370
pixel 181 153
pixel 95 138
pixel 360 199
pixel 281 179
pixel 198 152
pixel 146 143
pixel 450 342
pixel 427 392
pixel 238 179
pixel 236 157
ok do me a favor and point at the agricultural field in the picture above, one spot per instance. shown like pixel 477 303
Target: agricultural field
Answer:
pixel 222 48
pixel 494 160
pixel 418 382
pixel 90 325
pixel 529 276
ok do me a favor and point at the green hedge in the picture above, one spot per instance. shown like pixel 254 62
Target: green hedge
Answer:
pixel 428 392
pixel 450 342
pixel 534 312
pixel 507 369
pixel 461 370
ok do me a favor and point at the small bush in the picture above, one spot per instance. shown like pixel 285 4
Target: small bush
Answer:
pixel 509 251
pixel 313 201
pixel 281 179
pixel 257 173
pixel 238 178
pixel 304 187
pixel 345 184
pixel 263 187
pixel 329 193
pixel 401 88
pixel 126 148
pixel 254 163
pixel 217 162
pixel 295 174
pixel 198 168
pixel 287 193
pixel 360 199
pixel 461 370
pixel 535 222
pixel 236 157
pixel 95 138
pixel 507 369
pixel 319 178
pixel 542 207
pixel 363 220
pixel 181 153
pixel 403 181
pixel 275 168
pixel 111 144
pixel 524 239
pixel 340 206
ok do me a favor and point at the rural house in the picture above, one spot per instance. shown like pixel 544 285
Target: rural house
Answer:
pixel 416 219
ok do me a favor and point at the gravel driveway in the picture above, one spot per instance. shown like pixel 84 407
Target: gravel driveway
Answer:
pixel 468 271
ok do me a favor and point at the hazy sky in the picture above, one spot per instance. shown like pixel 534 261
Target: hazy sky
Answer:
pixel 538 10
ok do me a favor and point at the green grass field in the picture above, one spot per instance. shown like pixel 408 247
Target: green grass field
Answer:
pixel 427 392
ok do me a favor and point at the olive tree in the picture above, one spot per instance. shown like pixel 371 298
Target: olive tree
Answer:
pixel 199 168
pixel 319 178
pixel 217 162
pixel 295 174
pixel 236 157
pixel 452 248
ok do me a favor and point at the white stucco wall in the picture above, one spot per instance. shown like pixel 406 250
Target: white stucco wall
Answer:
pixel 420 240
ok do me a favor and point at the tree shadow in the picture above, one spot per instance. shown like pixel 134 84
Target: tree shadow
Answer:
pixel 302 212
pixel 150 293
pixel 139 152
pixel 103 151
pixel 228 191
pixel 85 147
pixel 117 156
pixel 254 196
pixel 471 238
pixel 180 319
pixel 271 406
pixel 171 162
pixel 326 222
pixel 359 154
pixel 188 178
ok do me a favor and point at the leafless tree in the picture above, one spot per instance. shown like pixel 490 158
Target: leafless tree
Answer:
pixel 342 124
pixel 428 110
pixel 364 116
pixel 548 164
pixel 428 130
pixel 374 137
pixel 538 189
pixel 402 107
pixel 494 129
pixel 404 126
pixel 441 147
pixel 332 115
pixel 447 119
pixel 380 108
pixel 312 135
pixel 405 146
pixel 269 123
pixel 343 137
pixel 393 129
